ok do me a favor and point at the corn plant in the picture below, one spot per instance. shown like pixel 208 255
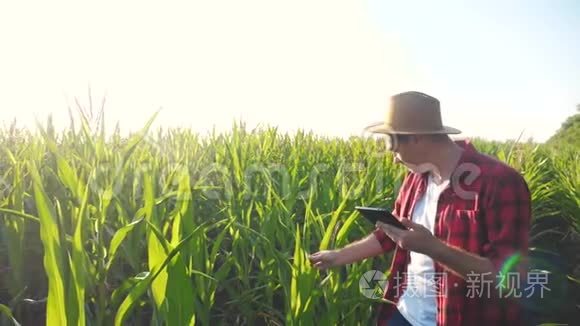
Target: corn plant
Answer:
pixel 169 227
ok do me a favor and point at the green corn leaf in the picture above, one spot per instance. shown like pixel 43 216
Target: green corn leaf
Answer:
pixel 19 214
pixel 78 269
pixel 139 289
pixel 56 304
pixel 179 293
pixel 136 139
pixel 324 244
pixel 346 227
pixel 118 238
pixel 295 302
pixel 8 313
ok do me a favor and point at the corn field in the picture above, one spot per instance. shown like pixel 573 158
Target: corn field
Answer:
pixel 168 227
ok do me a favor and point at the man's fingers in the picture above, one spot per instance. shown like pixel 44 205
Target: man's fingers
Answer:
pixel 316 259
pixel 407 222
pixel 412 225
pixel 391 231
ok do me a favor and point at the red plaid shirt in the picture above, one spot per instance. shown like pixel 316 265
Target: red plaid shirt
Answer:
pixel 486 210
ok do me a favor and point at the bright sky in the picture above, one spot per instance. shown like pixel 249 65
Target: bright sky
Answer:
pixel 498 67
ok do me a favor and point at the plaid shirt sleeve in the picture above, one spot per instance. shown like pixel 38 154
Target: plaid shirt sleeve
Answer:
pixel 387 243
pixel 507 216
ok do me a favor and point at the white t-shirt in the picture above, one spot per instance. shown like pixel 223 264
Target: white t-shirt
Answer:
pixel 418 302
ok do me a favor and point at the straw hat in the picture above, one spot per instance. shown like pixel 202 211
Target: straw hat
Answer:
pixel 412 113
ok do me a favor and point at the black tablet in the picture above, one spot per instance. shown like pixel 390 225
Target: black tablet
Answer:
pixel 374 214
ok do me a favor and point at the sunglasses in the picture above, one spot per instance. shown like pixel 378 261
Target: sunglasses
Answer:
pixel 392 141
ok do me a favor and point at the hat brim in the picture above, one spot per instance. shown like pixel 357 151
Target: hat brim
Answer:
pixel 382 128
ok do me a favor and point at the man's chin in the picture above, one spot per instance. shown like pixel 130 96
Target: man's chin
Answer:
pixel 419 169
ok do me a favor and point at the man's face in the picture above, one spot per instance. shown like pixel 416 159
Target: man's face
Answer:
pixel 410 151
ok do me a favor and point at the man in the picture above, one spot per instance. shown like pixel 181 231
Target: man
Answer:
pixel 467 217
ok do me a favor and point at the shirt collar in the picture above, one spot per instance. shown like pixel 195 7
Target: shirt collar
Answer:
pixel 468 151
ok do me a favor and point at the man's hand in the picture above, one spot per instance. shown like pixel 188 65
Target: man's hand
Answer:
pixel 418 238
pixel 324 259
pixel 352 253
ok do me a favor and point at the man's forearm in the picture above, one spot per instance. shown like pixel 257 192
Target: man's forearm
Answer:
pixel 359 250
pixel 461 262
